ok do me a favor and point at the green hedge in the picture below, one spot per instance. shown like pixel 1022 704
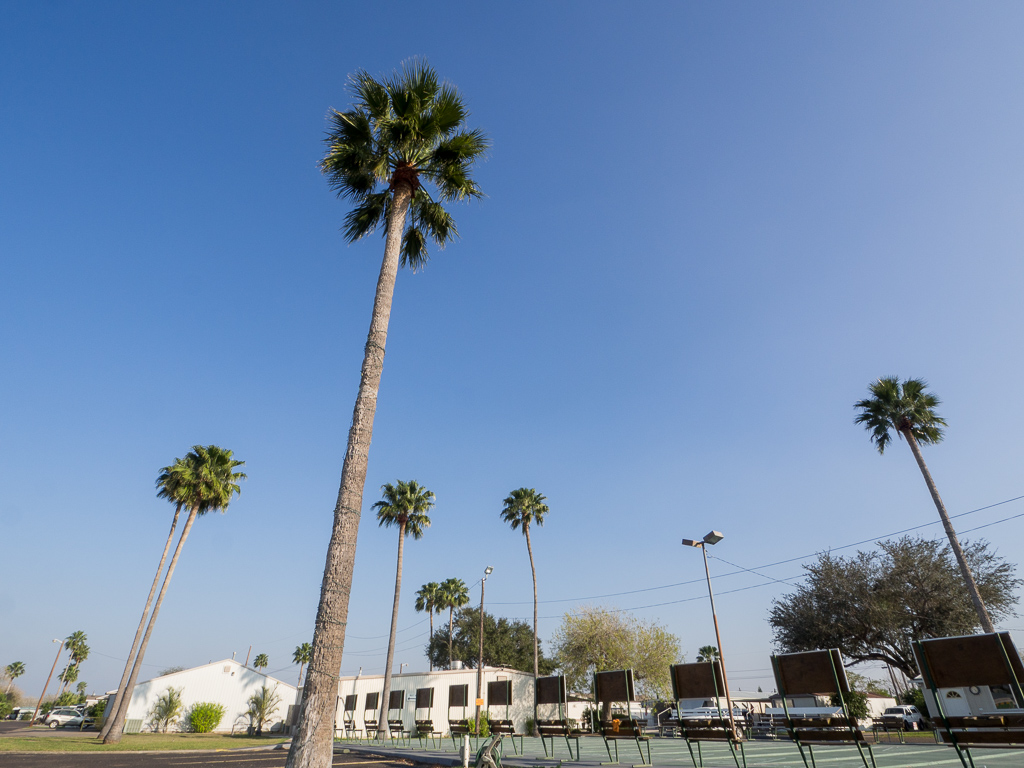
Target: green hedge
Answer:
pixel 205 716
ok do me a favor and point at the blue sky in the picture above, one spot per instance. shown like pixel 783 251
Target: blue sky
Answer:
pixel 707 227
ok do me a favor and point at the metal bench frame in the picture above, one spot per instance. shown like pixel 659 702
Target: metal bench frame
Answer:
pixel 704 680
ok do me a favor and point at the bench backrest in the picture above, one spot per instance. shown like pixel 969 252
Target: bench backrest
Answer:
pixel 816 673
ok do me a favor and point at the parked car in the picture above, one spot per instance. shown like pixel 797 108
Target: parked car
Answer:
pixel 62 717
pixel 905 716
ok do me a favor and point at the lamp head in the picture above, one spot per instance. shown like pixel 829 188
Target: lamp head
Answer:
pixel 714 537
pixel 692 543
pixel 488 570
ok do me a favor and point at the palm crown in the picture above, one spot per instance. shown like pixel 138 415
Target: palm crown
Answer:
pixel 262 661
pixel 454 593
pixel 203 481
pixel 400 131
pixel 429 598
pixel 906 408
pixel 524 506
pixel 302 654
pixel 405 504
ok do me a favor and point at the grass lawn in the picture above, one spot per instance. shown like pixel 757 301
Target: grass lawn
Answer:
pixel 134 742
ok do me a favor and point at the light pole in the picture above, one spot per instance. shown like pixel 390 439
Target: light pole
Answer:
pixel 480 659
pixel 401 667
pixel 40 702
pixel 713 538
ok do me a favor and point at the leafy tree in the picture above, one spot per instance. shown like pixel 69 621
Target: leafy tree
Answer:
pixel 262 706
pixel 871 605
pixel 507 643
pixel 429 599
pixel 909 410
pixel 303 653
pixel 168 487
pixel 5 707
pixel 867 684
pixel 708 653
pixel 856 704
pixel 166 709
pixel 14 670
pixel 404 505
pixel 261 661
pixel 594 639
pixel 171 670
pixel 400 132
pixel 522 507
pixel 204 481
pixel 454 595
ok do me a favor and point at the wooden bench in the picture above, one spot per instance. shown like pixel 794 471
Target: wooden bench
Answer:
pixel 668 727
pixel 397 730
pixel 558 729
pixel 507 728
pixel 459 728
pixel 425 730
pixel 616 729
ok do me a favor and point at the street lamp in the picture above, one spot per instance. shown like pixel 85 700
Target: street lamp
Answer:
pixel 480 659
pixel 40 702
pixel 713 538
pixel 401 667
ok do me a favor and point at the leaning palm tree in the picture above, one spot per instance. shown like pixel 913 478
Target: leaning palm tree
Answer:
pixel 261 661
pixel 303 653
pixel 206 483
pixel 708 653
pixel 522 507
pixel 14 670
pixel 429 599
pixel 79 651
pixel 404 505
pixel 909 410
pixel 168 484
pixel 401 132
pixel 454 594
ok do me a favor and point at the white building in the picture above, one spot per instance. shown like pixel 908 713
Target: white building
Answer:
pixel 223 682
pixel 448 685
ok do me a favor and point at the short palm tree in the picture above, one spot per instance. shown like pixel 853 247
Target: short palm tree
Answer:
pixel 206 481
pixel 14 670
pixel 404 505
pixel 401 133
pixel 261 661
pixel 166 709
pixel 303 653
pixel 909 410
pixel 523 507
pixel 454 594
pixel 262 706
pixel 708 653
pixel 168 487
pixel 429 599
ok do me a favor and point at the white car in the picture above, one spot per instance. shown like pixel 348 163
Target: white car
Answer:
pixel 63 716
pixel 904 716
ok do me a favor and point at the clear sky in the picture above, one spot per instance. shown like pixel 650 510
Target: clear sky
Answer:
pixel 708 227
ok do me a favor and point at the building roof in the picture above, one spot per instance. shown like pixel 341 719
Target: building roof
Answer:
pixel 223 662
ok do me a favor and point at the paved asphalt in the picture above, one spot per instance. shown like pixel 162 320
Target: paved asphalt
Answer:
pixel 247 759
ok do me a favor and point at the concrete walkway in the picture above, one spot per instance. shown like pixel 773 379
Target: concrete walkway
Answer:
pixel 672 753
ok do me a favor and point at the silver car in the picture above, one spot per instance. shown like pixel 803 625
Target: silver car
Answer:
pixel 63 716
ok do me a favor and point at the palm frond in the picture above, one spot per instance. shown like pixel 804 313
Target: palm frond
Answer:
pixel 414 249
pixel 431 218
pixel 366 216
pixel 371 95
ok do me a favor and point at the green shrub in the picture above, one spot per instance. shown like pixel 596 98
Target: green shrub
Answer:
pixel 485 725
pixel 856 703
pixel 529 726
pixel 5 707
pixel 205 716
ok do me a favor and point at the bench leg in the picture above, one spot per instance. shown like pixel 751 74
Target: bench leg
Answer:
pixel 690 747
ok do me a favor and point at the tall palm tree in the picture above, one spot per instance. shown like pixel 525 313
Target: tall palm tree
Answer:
pixel 303 653
pixel 909 410
pixel 79 651
pixel 168 484
pixel 429 599
pixel 405 505
pixel 522 507
pixel 708 653
pixel 14 670
pixel 206 483
pixel 261 661
pixel 400 132
pixel 454 594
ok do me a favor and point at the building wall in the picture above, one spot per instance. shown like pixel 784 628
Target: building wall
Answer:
pixel 521 708
pixel 224 682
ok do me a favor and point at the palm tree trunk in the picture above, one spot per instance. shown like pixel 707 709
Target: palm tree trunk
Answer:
pixel 313 744
pixel 142 624
pixel 954 543
pixel 536 666
pixel 451 616
pixel 117 727
pixel 298 684
pixel 385 703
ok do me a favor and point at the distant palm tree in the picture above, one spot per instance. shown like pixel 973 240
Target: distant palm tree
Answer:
pixel 206 482
pixel 79 651
pixel 15 670
pixel 261 661
pixel 400 134
pixel 909 410
pixel 303 653
pixel 168 487
pixel 708 653
pixel 454 594
pixel 429 599
pixel 404 504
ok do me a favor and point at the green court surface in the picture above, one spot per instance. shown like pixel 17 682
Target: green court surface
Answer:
pixel 673 752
